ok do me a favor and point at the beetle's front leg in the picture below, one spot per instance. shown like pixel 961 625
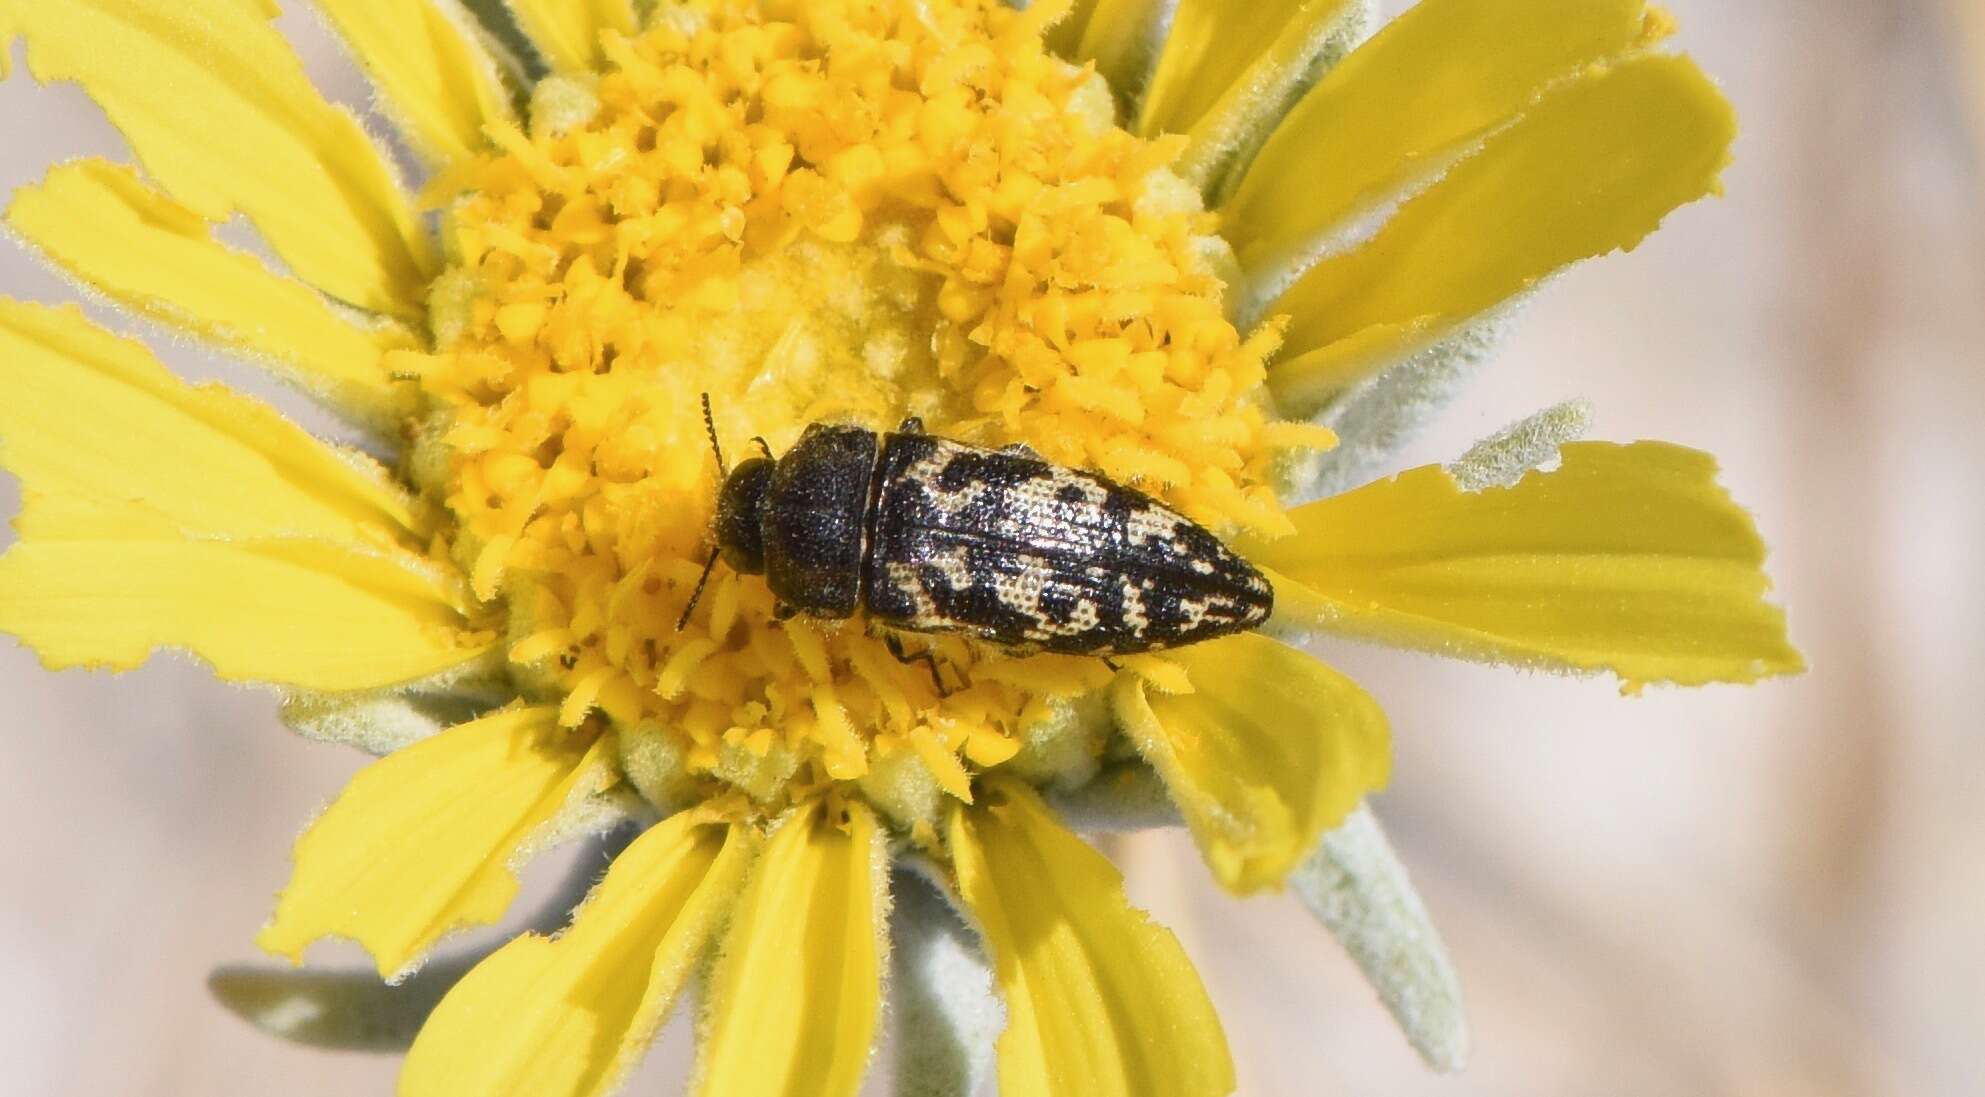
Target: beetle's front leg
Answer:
pixel 927 657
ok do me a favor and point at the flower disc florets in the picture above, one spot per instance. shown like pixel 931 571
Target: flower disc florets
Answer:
pixel 815 212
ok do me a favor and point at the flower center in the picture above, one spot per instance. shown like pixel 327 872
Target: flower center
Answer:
pixel 838 211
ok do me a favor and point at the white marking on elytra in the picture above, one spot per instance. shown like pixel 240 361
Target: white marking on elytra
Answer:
pixel 952 564
pixel 1135 618
pixel 905 578
pixel 1148 524
pixel 1056 510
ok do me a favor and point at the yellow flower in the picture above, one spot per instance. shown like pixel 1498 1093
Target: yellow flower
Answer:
pixel 1189 246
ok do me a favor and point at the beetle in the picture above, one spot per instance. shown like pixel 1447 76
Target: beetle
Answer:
pixel 933 535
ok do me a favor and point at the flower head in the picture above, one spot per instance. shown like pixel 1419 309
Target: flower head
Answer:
pixel 1184 251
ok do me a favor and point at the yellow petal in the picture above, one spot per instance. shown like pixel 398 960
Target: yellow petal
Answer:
pixel 1628 558
pixel 1099 1000
pixel 1122 37
pixel 155 256
pixel 1270 750
pixel 162 515
pixel 438 82
pixel 1441 75
pixel 794 1003
pixel 1228 71
pixel 1592 169
pixel 91 417
pixel 421 841
pixel 569 1016
pixel 220 112
pixel 568 32
pixel 105 585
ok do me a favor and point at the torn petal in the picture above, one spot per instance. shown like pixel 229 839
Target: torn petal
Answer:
pixel 137 246
pixel 421 842
pixel 107 585
pixel 220 112
pixel 1625 558
pixel 355 1010
pixel 92 417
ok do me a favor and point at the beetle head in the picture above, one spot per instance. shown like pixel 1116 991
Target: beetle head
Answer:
pixel 736 527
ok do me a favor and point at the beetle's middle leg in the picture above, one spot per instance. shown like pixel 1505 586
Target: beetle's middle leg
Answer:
pixel 927 657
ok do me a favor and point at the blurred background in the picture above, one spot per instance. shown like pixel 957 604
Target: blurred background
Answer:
pixel 1722 893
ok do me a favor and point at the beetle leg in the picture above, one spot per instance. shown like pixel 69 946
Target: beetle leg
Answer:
pixel 784 611
pixel 763 446
pixel 1109 662
pixel 911 425
pixel 928 658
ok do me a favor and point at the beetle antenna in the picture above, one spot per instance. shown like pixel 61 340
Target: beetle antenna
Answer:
pixel 696 595
pixel 710 424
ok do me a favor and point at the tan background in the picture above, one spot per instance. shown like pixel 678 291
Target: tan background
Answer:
pixel 1752 893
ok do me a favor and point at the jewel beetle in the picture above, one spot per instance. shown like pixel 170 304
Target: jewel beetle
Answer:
pixel 933 535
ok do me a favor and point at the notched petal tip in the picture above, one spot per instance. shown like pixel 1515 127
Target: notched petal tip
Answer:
pixel 1625 559
pixel 422 842
pixel 355 1010
pixel 115 234
pixel 270 146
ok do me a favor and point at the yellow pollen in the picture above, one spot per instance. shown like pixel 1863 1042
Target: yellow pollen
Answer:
pixel 833 210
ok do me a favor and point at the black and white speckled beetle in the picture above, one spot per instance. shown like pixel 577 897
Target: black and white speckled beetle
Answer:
pixel 931 535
